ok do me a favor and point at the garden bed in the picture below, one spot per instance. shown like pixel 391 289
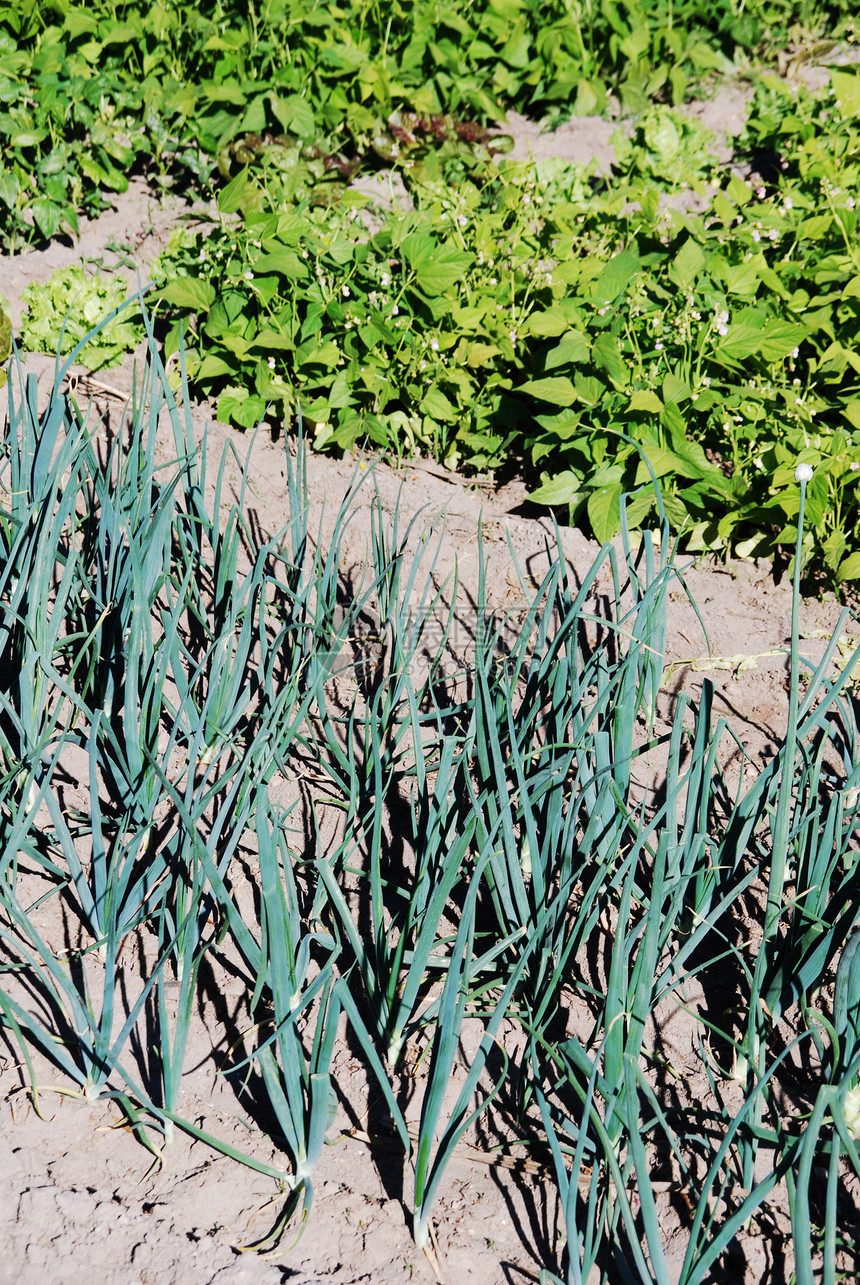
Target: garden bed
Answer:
pixel 344 612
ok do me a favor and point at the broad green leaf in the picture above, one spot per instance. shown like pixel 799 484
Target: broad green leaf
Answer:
pixel 772 341
pixel 688 264
pixel 468 318
pixel 269 338
pixel 661 461
pixel 213 367
pixel 29 137
pixel 645 400
pixel 562 423
pixel 664 462
pixel 672 418
pixel 851 411
pixel 48 217
pixel 638 506
pixel 779 338
pixel 237 406
pixel 78 23
pixel 605 354
pixel 437 267
pixel 556 389
pixel 849 568
pixel 437 406
pixel 91 168
pixel 235 344
pixel 479 354
pixel 254 119
pixel 604 511
pixel 836 358
pixel 589 390
pixel 188 292
pixel 846 90
pixel 9 188
pixel 676 510
pixel 327 354
pixel 230 197
pixel 661 133
pixel 742 278
pixel 574 347
pixel 230 40
pixel 674 388
pixel 617 276
pixel 739 191
pixel 547 324
pixel 285 262
pixel 562 489
pixel 815 227
pixel 742 340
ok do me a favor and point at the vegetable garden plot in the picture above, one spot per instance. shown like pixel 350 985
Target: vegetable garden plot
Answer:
pixel 534 317
pixel 496 903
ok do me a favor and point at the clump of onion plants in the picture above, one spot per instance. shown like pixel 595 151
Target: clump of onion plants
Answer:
pixel 497 871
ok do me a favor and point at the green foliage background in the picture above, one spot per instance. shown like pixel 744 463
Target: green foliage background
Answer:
pixel 590 332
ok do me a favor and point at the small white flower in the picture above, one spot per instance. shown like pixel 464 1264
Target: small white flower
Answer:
pixel 760 193
pixel 249 276
pixel 271 363
pixel 462 220
pixel 788 203
pixel 658 345
pixel 345 291
pixel 851 203
pixel 384 279
pixel 394 310
pixel 755 234
pixel 772 234
pixel 803 473
pixel 434 344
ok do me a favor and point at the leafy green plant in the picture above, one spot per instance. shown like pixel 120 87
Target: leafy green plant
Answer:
pixel 66 309
pixel 90 93
pixel 405 335
pixel 666 146
pixel 582 327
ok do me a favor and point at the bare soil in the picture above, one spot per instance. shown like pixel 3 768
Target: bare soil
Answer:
pixel 79 1196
